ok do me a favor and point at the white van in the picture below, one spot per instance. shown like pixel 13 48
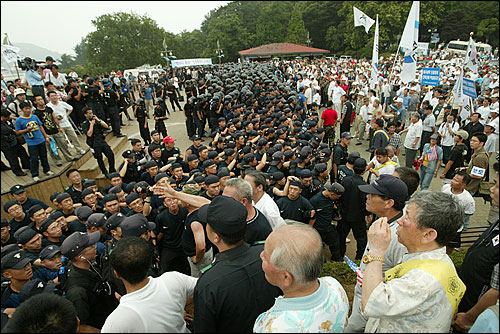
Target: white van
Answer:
pixel 460 47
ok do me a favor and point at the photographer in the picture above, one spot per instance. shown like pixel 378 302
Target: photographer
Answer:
pixel 34 76
pixel 130 170
pixel 93 129
pixel 11 147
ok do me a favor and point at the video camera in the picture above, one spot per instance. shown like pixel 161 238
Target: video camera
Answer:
pixel 29 64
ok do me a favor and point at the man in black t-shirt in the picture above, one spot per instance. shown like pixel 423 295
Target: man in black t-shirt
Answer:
pixel 92 128
pixel 76 100
pixel 170 223
pixel 94 99
pixel 111 99
pixel 53 129
pixel 295 206
pixel 457 156
pixel 172 95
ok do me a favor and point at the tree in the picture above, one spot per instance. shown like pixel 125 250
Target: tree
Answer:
pixel 272 22
pixel 488 28
pixel 123 40
pixel 297 33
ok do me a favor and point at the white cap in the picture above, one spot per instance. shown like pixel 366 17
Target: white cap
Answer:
pixel 398 100
pixel 361 93
pixel 18 91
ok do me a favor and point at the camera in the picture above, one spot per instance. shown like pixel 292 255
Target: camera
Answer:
pixel 28 64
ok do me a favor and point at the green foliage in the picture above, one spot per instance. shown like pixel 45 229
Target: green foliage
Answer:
pixel 297 33
pixel 126 40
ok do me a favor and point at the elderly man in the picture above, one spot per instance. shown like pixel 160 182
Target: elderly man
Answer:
pixel 292 260
pixel 425 283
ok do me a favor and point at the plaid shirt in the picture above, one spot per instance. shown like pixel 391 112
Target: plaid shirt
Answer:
pixel 396 141
pixel 494 278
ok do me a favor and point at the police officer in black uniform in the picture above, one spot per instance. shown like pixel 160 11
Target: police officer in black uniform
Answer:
pixel 141 116
pixel 84 285
pixel 160 116
pixel 172 94
pixel 233 290
pixel 188 115
pixel 93 129
pixel 130 170
pixel 111 100
pixel 94 98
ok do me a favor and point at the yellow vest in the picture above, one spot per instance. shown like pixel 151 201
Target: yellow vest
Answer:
pixel 444 272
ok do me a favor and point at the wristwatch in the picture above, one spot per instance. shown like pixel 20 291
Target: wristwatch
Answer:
pixel 369 258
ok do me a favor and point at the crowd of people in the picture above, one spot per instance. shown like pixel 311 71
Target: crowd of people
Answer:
pixel 241 222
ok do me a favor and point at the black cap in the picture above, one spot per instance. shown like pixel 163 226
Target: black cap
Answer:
pixel 136 225
pixel 305 173
pixel 34 287
pixel 14 260
pixel 222 172
pixel 249 157
pixel 195 137
pixel 352 157
pixel 115 190
pixel 128 154
pixel 62 196
pixel 151 163
pixel 5 223
pixel 9 249
pixel 130 187
pixel 83 212
pixel 115 174
pixel 45 224
pixel 360 163
pixel 35 208
pixel 77 242
pixel 346 135
pixel 24 234
pixel 224 214
pixel 54 196
pixel 49 252
pixel 108 198
pixel 87 192
pixel 208 163
pixel 56 215
pixel 114 221
pixel 132 197
pixel 89 183
pixel 96 219
pixel 387 185
pixel 49 58
pixel 296 183
pixel 8 204
pixel 211 179
pixel 335 188
pixel 17 189
pixel 192 157
pixel 320 168
pixel 276 158
pixel 160 176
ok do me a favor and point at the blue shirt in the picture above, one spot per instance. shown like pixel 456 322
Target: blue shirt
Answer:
pixel 406 101
pixel 148 93
pixel 302 99
pixel 33 78
pixel 22 124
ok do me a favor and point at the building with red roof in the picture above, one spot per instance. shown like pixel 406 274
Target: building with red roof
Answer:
pixel 281 50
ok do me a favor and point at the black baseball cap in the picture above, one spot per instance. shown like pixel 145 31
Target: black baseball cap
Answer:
pixel 132 197
pixel 335 188
pixel 387 185
pixel 62 196
pixel 352 157
pixel 35 208
pixel 87 192
pixel 45 224
pixel 224 214
pixel 14 260
pixel 128 154
pixel 34 287
pixel 77 242
pixel 17 189
pixel 136 225
pixel 211 179
pixel 25 234
pixel 192 157
pixel 207 163
pixel 114 221
pixel 276 158
pixel 49 252
pixel 108 198
pixel 96 219
pixel 83 212
pixel 346 135
pixel 305 173
pixel 195 137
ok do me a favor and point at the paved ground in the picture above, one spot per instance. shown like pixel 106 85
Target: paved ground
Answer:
pixel 177 129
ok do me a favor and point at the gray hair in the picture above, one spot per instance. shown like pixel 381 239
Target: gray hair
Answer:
pixel 415 114
pixel 300 253
pixel 440 212
pixel 243 188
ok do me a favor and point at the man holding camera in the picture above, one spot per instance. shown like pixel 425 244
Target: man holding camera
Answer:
pixel 93 129
pixel 34 76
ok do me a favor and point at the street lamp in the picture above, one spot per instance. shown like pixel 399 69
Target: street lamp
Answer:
pixel 167 54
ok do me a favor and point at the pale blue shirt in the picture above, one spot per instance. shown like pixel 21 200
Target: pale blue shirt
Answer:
pixel 33 78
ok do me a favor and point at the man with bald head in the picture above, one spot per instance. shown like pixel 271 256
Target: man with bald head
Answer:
pixel 292 260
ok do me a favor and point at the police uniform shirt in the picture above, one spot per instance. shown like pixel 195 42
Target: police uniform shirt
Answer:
pixel 232 292
pixel 110 97
pixel 343 172
pixel 145 176
pixel 76 195
pixel 92 307
pixel 94 95
pixel 324 210
pixel 297 210
pixel 97 138
pixel 340 155
pixel 15 225
pixel 132 173
pixel 13 300
pixel 353 200
pixel 46 242
pixel 11 241
pixel 166 154
pixel 188 108
pixel 44 274
pixel 140 114
pixel 258 228
pixel 30 202
pixel 172 227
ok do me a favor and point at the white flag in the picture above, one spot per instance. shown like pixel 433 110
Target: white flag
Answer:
pixel 457 90
pixel 467 109
pixel 472 58
pixel 361 19
pixel 409 41
pixel 10 53
pixel 374 72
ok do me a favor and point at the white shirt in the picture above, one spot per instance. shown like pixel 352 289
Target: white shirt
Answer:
pixel 308 95
pixel 60 110
pixel 489 146
pixel 485 114
pixel 337 94
pixel 414 131
pixel 465 200
pixel 317 99
pixel 270 210
pixel 428 123
pixel 448 139
pixel 60 81
pixel 156 308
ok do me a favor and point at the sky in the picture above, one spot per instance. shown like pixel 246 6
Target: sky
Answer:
pixel 59 26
